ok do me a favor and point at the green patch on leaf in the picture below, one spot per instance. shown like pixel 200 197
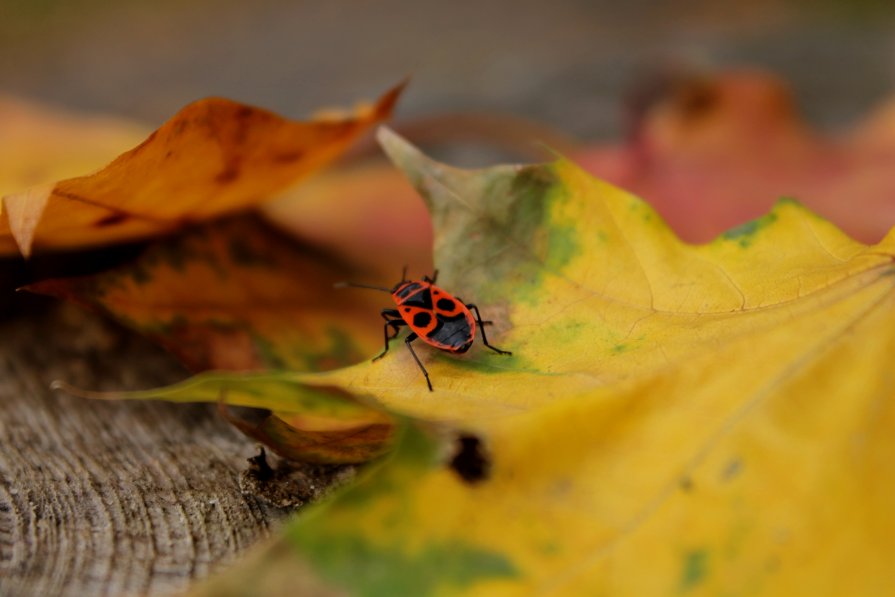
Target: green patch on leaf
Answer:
pixel 488 361
pixel 695 568
pixel 365 569
pixel 497 227
pixel 268 353
pixel 563 246
pixel 743 233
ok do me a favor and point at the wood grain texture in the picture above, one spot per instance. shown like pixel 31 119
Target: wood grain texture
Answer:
pixel 114 498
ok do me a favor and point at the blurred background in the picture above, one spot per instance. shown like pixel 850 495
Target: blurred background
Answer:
pixel 566 63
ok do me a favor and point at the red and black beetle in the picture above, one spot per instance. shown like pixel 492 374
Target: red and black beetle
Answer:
pixel 433 315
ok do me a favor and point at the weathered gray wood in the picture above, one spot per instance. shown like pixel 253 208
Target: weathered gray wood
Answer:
pixel 111 498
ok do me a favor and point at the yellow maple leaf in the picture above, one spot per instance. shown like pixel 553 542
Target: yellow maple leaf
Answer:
pixel 676 418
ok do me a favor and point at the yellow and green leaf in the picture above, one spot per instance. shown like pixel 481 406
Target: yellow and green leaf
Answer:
pixel 675 418
pixel 321 425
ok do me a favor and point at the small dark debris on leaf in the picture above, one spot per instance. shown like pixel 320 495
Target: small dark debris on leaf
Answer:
pixel 470 461
pixel 733 468
pixel 289 485
pixel 258 466
pixel 686 483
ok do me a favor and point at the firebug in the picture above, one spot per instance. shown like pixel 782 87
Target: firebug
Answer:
pixel 433 315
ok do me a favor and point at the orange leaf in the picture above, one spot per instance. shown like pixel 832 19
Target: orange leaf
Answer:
pixel 238 295
pixel 39 144
pixel 215 156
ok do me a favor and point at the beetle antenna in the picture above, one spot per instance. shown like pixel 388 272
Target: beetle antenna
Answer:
pixel 355 285
pixel 404 274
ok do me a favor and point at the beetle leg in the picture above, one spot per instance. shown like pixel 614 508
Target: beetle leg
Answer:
pixel 432 279
pixel 407 341
pixel 391 314
pixel 478 320
pixel 395 324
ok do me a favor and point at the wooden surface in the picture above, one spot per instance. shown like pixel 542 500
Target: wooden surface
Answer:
pixel 112 498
